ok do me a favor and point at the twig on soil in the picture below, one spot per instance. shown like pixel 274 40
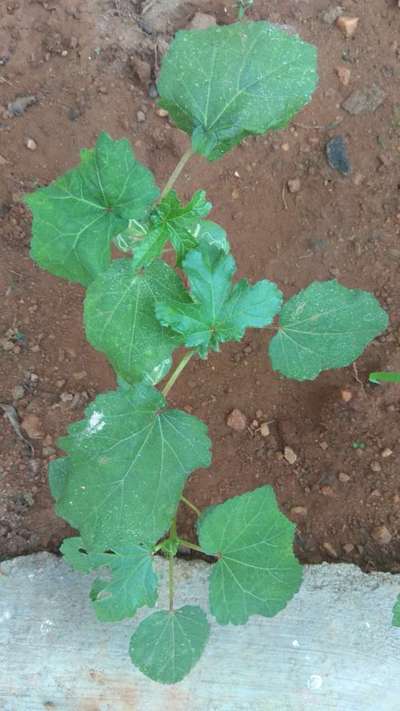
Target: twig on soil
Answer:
pixel 357 378
pixel 10 414
pixel 284 196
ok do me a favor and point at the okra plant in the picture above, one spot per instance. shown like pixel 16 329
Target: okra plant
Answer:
pixel 126 463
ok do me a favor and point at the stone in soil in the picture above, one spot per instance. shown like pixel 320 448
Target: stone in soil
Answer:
pixel 343 74
pixel 331 15
pixel 202 21
pixel 347 25
pixel 19 105
pixel 290 455
pixel 32 426
pixel 294 185
pixel 365 100
pixel 381 535
pixel 336 153
pixel 236 420
pixel 31 144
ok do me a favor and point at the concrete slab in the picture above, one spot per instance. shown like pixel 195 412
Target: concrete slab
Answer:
pixel 332 649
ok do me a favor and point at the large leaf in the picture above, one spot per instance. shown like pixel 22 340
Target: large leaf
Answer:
pixel 57 474
pixel 224 83
pixel 324 326
pixel 219 311
pixel 167 645
pixel 257 572
pixel 172 222
pixel 129 460
pixel 76 217
pixel 120 316
pixel 133 582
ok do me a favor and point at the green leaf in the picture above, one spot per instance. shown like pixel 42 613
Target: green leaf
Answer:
pixel 324 326
pixel 225 83
pixel 219 311
pixel 133 583
pixel 384 377
pixel 74 553
pixel 396 613
pixel 120 316
pixel 257 572
pixel 172 222
pixel 167 645
pixel 76 217
pixel 129 460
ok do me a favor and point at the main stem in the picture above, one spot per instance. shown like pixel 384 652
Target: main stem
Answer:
pixel 171 582
pixel 176 173
pixel 178 370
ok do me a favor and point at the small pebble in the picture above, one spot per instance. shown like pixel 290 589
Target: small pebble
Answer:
pixel 346 394
pixel 236 420
pixel 343 74
pixel 376 467
pixel 343 477
pixel 330 549
pixel 365 100
pixel 31 144
pixel 330 16
pixel 336 153
pixel 32 426
pixel 298 511
pixel 290 455
pixel 66 397
pixel 141 116
pixel 347 25
pixel 381 535
pixel 285 147
pixel 348 547
pixel 386 453
pixel 324 445
pixel 327 490
pixel 264 430
pixel 162 112
pixel 294 185
pixel 152 90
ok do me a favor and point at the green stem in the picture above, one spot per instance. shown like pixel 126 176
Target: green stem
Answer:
pixel 188 544
pixel 176 173
pixel 178 370
pixel 191 506
pixel 171 582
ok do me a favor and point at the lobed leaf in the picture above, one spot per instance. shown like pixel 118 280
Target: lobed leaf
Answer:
pixel 324 326
pixel 167 645
pixel 225 83
pixel 219 311
pixel 76 217
pixel 133 582
pixel 257 572
pixel 128 463
pixel 120 320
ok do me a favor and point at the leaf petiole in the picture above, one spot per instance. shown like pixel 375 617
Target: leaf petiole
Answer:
pixel 176 173
pixel 175 375
pixel 192 546
pixel 191 506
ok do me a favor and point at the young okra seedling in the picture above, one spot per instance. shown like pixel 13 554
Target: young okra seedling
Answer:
pixel 127 461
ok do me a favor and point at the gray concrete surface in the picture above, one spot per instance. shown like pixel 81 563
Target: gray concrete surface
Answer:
pixel 331 649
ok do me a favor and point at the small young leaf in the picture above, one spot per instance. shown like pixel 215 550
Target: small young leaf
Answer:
pixel 257 572
pixel 120 316
pixel 172 222
pixel 211 233
pixel 130 459
pixel 225 83
pixel 396 613
pixel 324 326
pixel 167 645
pixel 219 311
pixel 133 583
pixel 76 217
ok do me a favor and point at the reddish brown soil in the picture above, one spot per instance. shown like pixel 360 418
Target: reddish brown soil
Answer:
pixel 75 56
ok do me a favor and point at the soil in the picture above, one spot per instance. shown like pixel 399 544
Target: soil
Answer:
pixel 89 64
